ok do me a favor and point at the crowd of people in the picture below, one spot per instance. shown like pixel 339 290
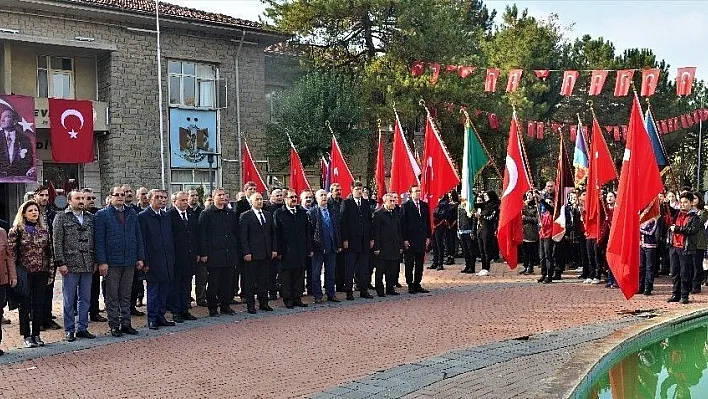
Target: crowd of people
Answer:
pixel 253 250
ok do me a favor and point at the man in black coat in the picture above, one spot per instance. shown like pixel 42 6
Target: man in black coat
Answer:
pixel 275 202
pixel 200 271
pixel 335 200
pixel 242 205
pixel 218 249
pixel 292 232
pixel 388 245
pixel 415 226
pixel 355 226
pixel 258 247
pixel 184 235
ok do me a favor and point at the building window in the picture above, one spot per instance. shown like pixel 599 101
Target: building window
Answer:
pixel 192 84
pixel 55 77
pixel 187 179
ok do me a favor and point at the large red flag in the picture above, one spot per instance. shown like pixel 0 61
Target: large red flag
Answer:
pixel 640 183
pixel 601 171
pixel 298 180
pixel 516 184
pixel 564 185
pixel 71 130
pixel 380 173
pixel 403 165
pixel 340 170
pixel 439 174
pixel 250 171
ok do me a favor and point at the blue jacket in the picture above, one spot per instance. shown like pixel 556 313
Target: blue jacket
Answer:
pixel 159 247
pixel 117 244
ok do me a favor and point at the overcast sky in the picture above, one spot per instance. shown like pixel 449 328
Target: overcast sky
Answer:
pixel 675 29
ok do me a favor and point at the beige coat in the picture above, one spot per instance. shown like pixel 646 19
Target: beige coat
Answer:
pixel 7 261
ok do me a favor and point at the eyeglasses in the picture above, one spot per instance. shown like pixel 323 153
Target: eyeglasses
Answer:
pixel 118 195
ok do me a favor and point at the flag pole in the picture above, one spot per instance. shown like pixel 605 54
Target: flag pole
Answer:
pixel 523 147
pixel 484 147
pixel 700 149
pixel 159 95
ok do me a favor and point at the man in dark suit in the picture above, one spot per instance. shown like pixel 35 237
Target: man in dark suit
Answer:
pixel 326 243
pixel 355 225
pixel 16 151
pixel 388 245
pixel 258 248
pixel 415 226
pixel 292 232
pixel 156 230
pixel 335 199
pixel 184 236
pixel 200 270
pixel 218 249
pixel 242 205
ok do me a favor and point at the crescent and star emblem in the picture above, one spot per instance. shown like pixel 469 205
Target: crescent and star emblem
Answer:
pixel 72 112
pixel 335 172
pixel 513 175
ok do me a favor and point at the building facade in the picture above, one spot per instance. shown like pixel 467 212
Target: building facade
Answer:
pixel 212 81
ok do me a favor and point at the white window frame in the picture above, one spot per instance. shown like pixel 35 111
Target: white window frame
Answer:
pixel 52 72
pixel 199 81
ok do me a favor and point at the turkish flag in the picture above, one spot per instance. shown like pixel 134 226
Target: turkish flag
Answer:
pixel 686 121
pixel 597 81
pixel 664 126
pixel 601 171
pixel 539 130
pixel 493 120
pixel 569 79
pixel 71 130
pixel 514 77
pixel 542 73
pixel 435 67
pixel 380 173
pixel 490 83
pixel 516 184
pixel 439 174
pixel 465 71
pixel 623 82
pixel 250 171
pixel 298 180
pixel 531 130
pixel 451 68
pixel 640 183
pixel 417 68
pixel 404 168
pixel 624 132
pixel 650 78
pixel 573 132
pixel 684 80
pixel 340 171
pixel 704 115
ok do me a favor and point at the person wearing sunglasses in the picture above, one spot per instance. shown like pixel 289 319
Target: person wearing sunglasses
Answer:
pixel 119 252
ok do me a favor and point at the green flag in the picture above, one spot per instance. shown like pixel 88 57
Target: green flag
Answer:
pixel 474 159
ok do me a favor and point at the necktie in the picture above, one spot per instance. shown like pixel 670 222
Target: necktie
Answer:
pixel 260 214
pixel 292 210
pixel 417 206
pixel 325 215
pixel 9 146
pixel 184 217
pixel 358 202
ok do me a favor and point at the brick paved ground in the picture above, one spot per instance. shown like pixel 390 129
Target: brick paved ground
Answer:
pixel 296 353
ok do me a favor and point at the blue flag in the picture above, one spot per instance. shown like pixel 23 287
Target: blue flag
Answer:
pixel 580 157
pixel 659 153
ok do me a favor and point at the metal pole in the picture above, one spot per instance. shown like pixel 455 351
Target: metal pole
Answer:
pixel 159 96
pixel 238 111
pixel 700 150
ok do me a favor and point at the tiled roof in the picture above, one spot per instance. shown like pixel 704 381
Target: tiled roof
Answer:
pixel 171 10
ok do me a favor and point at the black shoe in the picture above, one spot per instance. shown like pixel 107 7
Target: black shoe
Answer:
pixel 213 313
pixel 441 267
pixel 116 332
pixel 350 296
pixel 412 290
pixel 30 342
pixel 392 292
pixel 136 312
pixel 289 306
pixel 300 304
pixel 251 310
pixel 202 304
pixel 98 318
pixel 129 330
pixel 177 318
pixel 449 261
pixel 85 334
pixel 541 279
pixel 647 293
pixel 166 323
pixel 365 294
pixel 39 341
pixel 421 290
pixel 273 297
pixel 69 336
pixel 547 280
pixel 696 291
pixel 227 310
pixel 371 287
pixel 334 299
pixel 683 301
pixel 380 294
pixel 433 267
pixel 398 285
pixel 153 325
pixel 188 316
pixel 265 307
pixel 673 299
pixel 522 272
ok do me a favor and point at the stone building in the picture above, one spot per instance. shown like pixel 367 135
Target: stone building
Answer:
pixel 212 79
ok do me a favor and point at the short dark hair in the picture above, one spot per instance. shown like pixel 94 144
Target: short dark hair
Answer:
pixel 357 183
pixel 40 189
pixel 410 190
pixel 688 195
